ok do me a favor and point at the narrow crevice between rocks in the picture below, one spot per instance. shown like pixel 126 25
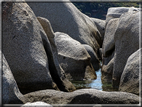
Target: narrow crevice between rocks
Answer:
pixel 52 67
pixel 108 53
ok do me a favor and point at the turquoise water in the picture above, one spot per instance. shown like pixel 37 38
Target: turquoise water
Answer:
pixel 94 84
pixel 97 84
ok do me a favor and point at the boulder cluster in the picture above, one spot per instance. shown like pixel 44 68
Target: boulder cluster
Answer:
pixel 121 41
pixel 45 45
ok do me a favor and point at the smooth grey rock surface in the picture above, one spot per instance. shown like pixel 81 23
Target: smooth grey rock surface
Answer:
pixel 82 96
pixel 126 42
pixel 73 57
pixel 10 90
pixel 65 17
pixel 116 12
pixel 108 49
pixel 69 47
pixel 108 42
pixel 130 78
pixel 24 43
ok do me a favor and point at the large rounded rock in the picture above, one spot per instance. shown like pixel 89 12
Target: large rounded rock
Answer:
pixel 94 59
pixel 69 47
pixel 65 17
pixel 10 90
pixel 28 51
pixel 116 12
pixel 82 96
pixel 130 78
pixel 72 56
pixel 23 47
pixel 126 42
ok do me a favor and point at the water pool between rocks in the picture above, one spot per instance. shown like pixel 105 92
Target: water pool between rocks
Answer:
pixel 94 84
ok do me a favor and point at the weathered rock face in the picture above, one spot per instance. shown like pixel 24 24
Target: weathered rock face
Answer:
pixel 129 81
pixel 65 17
pixel 10 91
pixel 126 42
pixel 108 43
pixel 23 47
pixel 116 12
pixel 114 19
pixel 26 45
pixel 72 56
pixel 69 47
pixel 108 49
pixel 83 96
pixel 94 59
